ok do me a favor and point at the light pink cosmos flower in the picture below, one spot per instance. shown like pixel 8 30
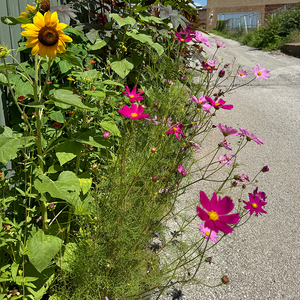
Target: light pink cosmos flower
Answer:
pixel 108 299
pixel 242 178
pixel 134 112
pixel 250 136
pixel 133 95
pixel 226 160
pixel 202 39
pixel 206 232
pixel 211 63
pixel 255 205
pixel 260 73
pixel 176 130
pixel 215 213
pixel 242 73
pixel 202 102
pixel 64 13
pixel 169 121
pixel 219 103
pixel 225 145
pixel 227 130
pixel 191 144
pixel 219 44
pixel 152 121
pixel 106 134
pixel 182 170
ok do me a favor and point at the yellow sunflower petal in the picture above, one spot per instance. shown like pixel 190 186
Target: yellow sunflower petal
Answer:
pixel 54 19
pixel 35 49
pixel 47 18
pixel 31 27
pixel 30 33
pixel 24 15
pixel 65 38
pixel 30 8
pixel 43 50
pixel 61 26
pixel 38 20
pixel 31 42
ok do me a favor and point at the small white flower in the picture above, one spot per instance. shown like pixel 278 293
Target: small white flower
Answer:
pixel 64 13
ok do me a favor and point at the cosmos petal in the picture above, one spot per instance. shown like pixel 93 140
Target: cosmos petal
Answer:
pixel 205 201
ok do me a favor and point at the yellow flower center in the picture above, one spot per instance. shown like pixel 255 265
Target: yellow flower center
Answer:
pixel 213 215
pixel 208 68
pixel 131 96
pixel 241 74
pixel 133 115
pixel 258 73
pixel 228 158
pixel 48 36
pixel 175 129
pixel 217 104
pixel 182 40
pixel 207 233
pixel 254 205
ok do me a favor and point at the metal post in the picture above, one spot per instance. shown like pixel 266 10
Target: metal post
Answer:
pixel 246 29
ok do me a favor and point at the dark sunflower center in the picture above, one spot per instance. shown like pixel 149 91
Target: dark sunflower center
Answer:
pixel 48 36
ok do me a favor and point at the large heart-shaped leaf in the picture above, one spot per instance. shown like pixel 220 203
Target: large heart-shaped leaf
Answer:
pixel 67 151
pixel 122 21
pixel 122 67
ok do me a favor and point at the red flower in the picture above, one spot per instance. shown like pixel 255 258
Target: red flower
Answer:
pixel 21 98
pixel 56 125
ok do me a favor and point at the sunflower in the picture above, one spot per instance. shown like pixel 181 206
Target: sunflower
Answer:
pixel 30 9
pixel 45 35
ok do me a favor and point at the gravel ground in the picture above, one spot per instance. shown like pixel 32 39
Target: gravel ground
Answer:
pixel 262 258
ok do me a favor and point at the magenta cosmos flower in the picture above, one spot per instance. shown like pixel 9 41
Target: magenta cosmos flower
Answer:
pixel 134 112
pixel 227 130
pixel 152 121
pixel 261 73
pixel 133 95
pixel 225 144
pixel 242 73
pixel 180 37
pixel 191 144
pixel 201 102
pixel 219 44
pixel 202 39
pixel 176 130
pixel 255 205
pixel 261 195
pixel 215 213
pixel 206 232
pixel 226 160
pixel 250 136
pixel 182 170
pixel 219 103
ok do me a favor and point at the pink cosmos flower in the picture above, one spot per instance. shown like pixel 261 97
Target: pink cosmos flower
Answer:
pixel 133 95
pixel 180 37
pixel 225 145
pixel 106 134
pixel 182 170
pixel 227 130
pixel 134 112
pixel 219 103
pixel 261 195
pixel 226 160
pixel 255 205
pixel 215 213
pixel 250 136
pixel 206 233
pixel 202 102
pixel 202 39
pixel 260 73
pixel 176 130
pixel 242 73
pixel 211 63
pixel 219 44
pixel 188 31
pixel 169 121
pixel 242 178
pixel 152 121
pixel 208 67
pixel 191 144
pixel 108 299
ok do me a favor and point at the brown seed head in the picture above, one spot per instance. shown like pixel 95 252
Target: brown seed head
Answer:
pixel 225 279
pixel 45 6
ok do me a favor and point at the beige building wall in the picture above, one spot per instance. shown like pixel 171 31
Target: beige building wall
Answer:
pixel 215 7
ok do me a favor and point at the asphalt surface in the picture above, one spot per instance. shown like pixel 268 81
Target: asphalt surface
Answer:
pixel 261 258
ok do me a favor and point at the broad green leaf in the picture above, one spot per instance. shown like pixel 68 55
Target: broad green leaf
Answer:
pixel 90 74
pixel 65 66
pixel 14 21
pixel 54 169
pixel 110 82
pixel 67 97
pixel 122 21
pixel 66 261
pixel 144 38
pixel 66 187
pixel 85 182
pixel 42 249
pixel 98 45
pixel 151 18
pixel 92 138
pixel 109 125
pixel 122 67
pixel 70 58
pixel 57 116
pixel 34 104
pixel 99 94
pixel 85 207
pixel 67 151
pixel 14 270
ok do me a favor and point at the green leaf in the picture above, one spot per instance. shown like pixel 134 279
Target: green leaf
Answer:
pixel 99 94
pixel 98 45
pixel 14 270
pixel 34 104
pixel 122 21
pixel 110 82
pixel 70 58
pixel 66 187
pixel 85 182
pixel 14 21
pixel 57 116
pixel 90 74
pixel 54 169
pixel 109 125
pixel 64 66
pixel 122 67
pixel 68 258
pixel 86 207
pixel 151 18
pixel 42 249
pixel 92 138
pixel 144 38
pixel 67 151
pixel 67 97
